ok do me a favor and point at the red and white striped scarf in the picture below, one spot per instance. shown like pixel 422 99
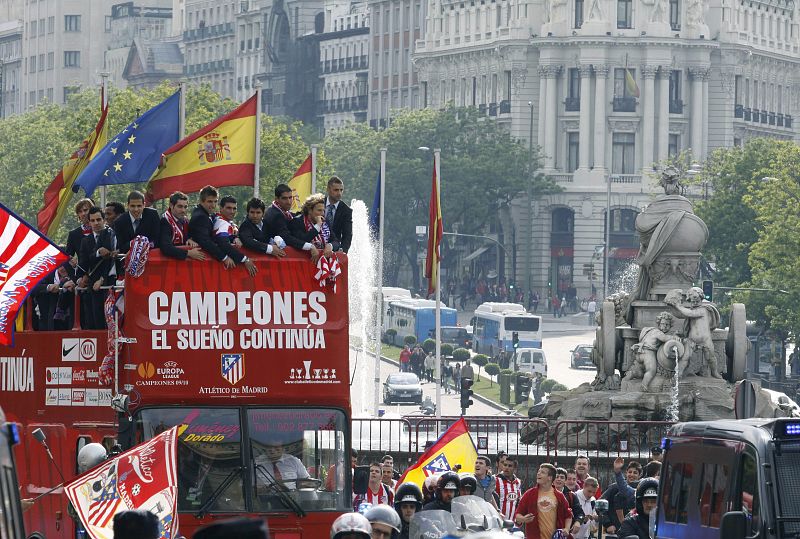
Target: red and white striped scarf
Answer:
pixel 180 229
pixel 321 239
pixel 327 271
pixel 286 214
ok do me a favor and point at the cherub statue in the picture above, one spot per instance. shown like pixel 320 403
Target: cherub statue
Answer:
pixel 703 318
pixel 645 365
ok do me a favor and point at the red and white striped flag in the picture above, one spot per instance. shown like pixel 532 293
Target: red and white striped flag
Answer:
pixel 26 257
pixel 141 478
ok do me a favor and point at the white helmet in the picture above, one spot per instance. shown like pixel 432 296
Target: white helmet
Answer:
pixel 384 514
pixel 351 523
pixel 90 456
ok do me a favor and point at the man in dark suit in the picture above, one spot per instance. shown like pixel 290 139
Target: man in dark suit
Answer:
pixel 253 234
pixel 338 215
pixel 278 217
pixel 96 267
pixel 137 221
pixel 76 234
pixel 201 230
pixel 174 230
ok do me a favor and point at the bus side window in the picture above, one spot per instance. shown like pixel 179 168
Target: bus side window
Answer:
pixel 750 502
pixel 678 479
pixel 713 485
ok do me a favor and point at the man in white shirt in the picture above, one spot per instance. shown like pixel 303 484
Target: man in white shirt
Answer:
pixel 591 308
pixel 586 499
pixel 279 468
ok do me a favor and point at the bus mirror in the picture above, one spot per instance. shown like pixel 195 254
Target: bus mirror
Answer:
pixel 733 525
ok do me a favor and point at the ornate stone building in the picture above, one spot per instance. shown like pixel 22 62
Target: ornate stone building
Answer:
pixel 607 89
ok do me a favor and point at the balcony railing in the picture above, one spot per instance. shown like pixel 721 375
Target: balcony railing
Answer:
pixel 738 111
pixel 505 106
pixel 624 104
pixel 482 108
pixel 492 109
pixel 772 118
pixel 572 104
pixel 626 178
pixel 747 114
pixel 764 116
pixel 676 106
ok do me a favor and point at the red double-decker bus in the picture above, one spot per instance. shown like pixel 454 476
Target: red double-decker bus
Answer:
pixel 253 369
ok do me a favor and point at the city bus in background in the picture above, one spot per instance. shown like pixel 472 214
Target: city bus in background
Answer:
pixel 415 317
pixel 496 325
pixel 249 368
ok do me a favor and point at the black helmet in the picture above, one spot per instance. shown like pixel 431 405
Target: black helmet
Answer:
pixel 448 481
pixel 408 493
pixel 648 488
pixel 468 480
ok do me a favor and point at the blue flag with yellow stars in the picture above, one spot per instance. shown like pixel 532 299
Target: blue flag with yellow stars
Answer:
pixel 133 155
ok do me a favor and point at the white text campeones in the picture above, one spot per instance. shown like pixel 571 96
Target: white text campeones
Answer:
pixel 240 308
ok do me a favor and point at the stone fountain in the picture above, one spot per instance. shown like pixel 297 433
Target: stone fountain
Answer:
pixel 659 350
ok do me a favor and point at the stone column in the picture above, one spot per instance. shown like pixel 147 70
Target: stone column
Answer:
pixel 698 75
pixel 663 112
pixel 705 113
pixel 600 129
pixel 542 106
pixel 648 115
pixel 584 133
pixel 551 116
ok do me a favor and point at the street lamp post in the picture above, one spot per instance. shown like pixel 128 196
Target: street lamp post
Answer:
pixel 529 193
pixel 606 271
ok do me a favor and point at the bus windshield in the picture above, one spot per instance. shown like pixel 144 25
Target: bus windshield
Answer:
pixel 520 323
pixel 294 456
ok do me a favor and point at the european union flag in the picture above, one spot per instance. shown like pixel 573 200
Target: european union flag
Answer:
pixel 133 155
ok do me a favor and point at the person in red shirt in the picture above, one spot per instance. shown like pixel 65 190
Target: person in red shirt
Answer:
pixel 405 358
pixel 543 509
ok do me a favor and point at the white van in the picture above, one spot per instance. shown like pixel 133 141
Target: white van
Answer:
pixel 531 360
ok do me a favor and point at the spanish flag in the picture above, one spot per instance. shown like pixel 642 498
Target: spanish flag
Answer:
pixel 630 83
pixel 454 447
pixel 301 184
pixel 223 153
pixel 58 194
pixel 435 229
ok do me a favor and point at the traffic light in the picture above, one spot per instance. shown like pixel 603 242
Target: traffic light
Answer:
pixel 466 393
pixel 708 290
pixel 515 340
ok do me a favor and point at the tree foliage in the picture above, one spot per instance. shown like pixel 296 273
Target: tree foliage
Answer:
pixel 482 168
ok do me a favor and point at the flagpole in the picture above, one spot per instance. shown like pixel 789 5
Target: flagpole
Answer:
pixel 257 171
pixel 379 284
pixel 182 114
pixel 313 169
pixel 436 155
pixel 103 102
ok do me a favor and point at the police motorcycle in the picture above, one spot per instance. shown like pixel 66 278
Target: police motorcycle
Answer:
pixel 468 514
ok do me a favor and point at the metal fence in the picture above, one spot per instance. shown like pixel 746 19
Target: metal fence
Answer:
pixel 532 441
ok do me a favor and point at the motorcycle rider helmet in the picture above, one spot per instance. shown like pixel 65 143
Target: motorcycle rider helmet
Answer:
pixel 468 480
pixel 90 456
pixel 383 514
pixel 351 523
pixel 647 488
pixel 408 493
pixel 448 481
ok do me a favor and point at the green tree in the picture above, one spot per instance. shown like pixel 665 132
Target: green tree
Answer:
pixel 492 369
pixel 482 169
pixel 481 360
pixel 461 355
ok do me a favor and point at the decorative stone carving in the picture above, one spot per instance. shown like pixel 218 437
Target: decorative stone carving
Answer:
pixel 571 125
pixel 702 319
pixel 616 124
pixel 601 70
pixel 649 71
pixel 727 78
pixel 558 11
pixel 658 10
pixel 655 342
pixel 699 72
pixel 695 14
pixel 585 70
pixel 518 76
pixel 549 71
pixel 595 13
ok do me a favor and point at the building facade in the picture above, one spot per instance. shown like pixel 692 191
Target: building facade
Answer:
pixel 10 67
pixel 607 89
pixel 209 39
pixel 395 26
pixel 250 45
pixel 343 65
pixel 63 48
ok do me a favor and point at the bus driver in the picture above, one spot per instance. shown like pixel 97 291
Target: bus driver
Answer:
pixel 276 463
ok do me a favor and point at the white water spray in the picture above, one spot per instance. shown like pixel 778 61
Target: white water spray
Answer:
pixel 362 264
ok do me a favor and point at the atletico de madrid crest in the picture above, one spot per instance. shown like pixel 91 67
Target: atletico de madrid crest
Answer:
pixel 233 367
pixel 438 464
pixel 213 148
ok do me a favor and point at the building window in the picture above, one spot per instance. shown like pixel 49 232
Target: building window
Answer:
pixel 675 102
pixel 573 151
pixel 51 24
pixel 625 90
pixel 72 59
pixel 41 33
pixel 675 15
pixel 578 13
pixel 573 101
pixel 49 95
pixel 41 62
pixel 51 60
pixel 72 23
pixel 33 29
pixel 69 90
pixel 623 151
pixel 674 145
pixel 624 13
pixel 32 64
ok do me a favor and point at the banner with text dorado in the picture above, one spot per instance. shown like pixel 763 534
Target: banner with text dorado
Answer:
pixel 205 332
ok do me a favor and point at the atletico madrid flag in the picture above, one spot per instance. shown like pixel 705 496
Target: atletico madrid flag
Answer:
pixel 144 477
pixel 26 257
pixel 435 230
pixel 301 184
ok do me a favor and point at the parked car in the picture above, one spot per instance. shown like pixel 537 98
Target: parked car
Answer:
pixel 402 387
pixel 457 336
pixel 581 356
